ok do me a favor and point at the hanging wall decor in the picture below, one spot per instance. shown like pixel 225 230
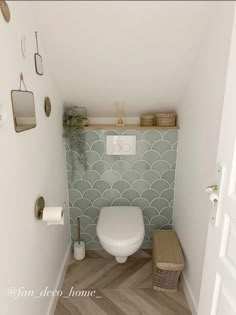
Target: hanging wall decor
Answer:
pixel 23 46
pixel 38 59
pixel 73 132
pixel 47 106
pixel 23 107
pixel 5 10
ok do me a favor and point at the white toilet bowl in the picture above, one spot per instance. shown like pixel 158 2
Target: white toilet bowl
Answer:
pixel 120 231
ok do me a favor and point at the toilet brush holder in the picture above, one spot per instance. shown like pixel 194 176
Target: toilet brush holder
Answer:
pixel 79 250
pixel 79 246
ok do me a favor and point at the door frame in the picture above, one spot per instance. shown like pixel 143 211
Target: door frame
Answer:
pixel 215 231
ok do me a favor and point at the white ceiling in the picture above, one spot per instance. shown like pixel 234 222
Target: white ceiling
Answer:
pixel 139 52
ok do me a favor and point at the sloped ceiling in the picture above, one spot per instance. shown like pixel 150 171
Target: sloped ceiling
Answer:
pixel 137 52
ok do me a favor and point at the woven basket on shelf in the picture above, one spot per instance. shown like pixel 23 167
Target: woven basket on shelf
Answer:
pixel 166 119
pixel 168 261
pixel 147 120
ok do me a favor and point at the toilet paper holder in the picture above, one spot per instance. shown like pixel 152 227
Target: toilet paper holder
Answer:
pixel 39 207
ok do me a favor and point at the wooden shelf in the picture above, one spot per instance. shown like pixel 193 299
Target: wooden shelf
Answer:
pixel 126 127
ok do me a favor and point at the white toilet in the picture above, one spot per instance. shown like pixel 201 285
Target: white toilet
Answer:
pixel 120 231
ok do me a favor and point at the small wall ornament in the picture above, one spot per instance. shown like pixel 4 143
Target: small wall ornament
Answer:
pixel 120 114
pixel 5 10
pixel 38 59
pixel 47 106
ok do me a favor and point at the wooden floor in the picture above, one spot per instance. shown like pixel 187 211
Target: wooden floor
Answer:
pixel 118 289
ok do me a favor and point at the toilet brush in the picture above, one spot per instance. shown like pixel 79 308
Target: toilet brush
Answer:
pixel 79 246
pixel 78 229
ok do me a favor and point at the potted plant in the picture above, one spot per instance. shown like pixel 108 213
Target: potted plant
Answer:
pixel 73 130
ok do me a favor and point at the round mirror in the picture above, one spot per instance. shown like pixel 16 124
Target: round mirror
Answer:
pixel 47 106
pixel 5 10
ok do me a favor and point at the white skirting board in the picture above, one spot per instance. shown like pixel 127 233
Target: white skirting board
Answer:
pixel 59 283
pixel 189 295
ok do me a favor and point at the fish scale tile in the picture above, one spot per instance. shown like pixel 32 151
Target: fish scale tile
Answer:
pixel 145 180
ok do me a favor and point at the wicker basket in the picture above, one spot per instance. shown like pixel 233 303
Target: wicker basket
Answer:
pixel 166 119
pixel 147 120
pixel 168 260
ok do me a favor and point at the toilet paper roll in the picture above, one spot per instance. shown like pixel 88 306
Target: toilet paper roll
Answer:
pixel 53 215
pixel 213 197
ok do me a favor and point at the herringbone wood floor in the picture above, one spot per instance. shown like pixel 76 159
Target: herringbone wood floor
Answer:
pixel 120 288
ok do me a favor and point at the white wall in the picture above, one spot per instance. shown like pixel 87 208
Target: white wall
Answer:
pixel 32 164
pixel 139 52
pixel 199 120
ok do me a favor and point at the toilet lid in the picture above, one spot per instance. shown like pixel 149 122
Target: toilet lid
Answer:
pixel 120 225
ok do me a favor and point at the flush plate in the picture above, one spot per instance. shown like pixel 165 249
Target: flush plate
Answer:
pixel 121 145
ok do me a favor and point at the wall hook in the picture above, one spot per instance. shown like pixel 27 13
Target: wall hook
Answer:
pixel 22 81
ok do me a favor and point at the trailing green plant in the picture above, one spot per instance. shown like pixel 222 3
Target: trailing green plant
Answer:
pixel 73 131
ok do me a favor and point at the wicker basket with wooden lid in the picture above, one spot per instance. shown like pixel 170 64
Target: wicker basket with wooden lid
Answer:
pixel 168 260
pixel 147 120
pixel 166 119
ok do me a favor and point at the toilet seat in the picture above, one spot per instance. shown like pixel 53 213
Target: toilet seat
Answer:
pixel 120 226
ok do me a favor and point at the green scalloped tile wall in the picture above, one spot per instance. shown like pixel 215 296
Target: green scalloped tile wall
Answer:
pixel 146 179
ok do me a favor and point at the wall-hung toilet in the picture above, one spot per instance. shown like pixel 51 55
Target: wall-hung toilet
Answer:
pixel 120 231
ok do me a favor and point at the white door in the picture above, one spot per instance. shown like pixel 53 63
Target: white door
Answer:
pixel 218 292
